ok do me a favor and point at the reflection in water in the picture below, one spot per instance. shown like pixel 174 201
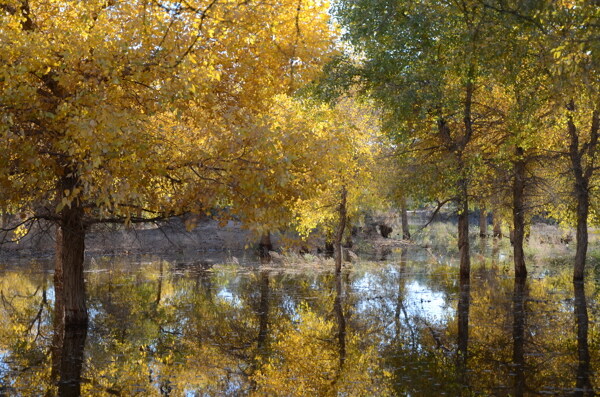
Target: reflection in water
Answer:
pixel 464 302
pixel 338 308
pixel 584 372
pixel 69 359
pixel 263 312
pixel 405 329
pixel 518 334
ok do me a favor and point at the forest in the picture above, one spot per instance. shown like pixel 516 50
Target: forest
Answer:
pixel 297 118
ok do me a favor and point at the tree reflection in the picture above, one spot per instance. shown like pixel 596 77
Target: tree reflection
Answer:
pixel 464 302
pixel 518 334
pixel 338 309
pixel 584 371
pixel 381 330
pixel 69 357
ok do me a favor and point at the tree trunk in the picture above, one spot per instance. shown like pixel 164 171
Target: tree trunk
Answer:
pixel 265 245
pixel 404 216
pixel 583 174
pixel 463 232
pixel 68 277
pixel 497 222
pixel 519 214
pixel 582 234
pixel 340 231
pixel 483 223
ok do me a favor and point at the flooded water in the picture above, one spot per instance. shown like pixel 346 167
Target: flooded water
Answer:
pixel 394 327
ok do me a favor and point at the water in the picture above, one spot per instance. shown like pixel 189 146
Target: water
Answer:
pixel 167 327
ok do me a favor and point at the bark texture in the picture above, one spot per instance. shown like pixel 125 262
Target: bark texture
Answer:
pixel 483 222
pixel 404 220
pixel 340 231
pixel 68 277
pixel 519 214
pixel 463 233
pixel 582 159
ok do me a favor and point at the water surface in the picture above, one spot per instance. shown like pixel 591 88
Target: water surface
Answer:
pixel 393 327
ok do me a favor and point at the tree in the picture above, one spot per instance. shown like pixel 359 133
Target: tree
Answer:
pixel 122 111
pixel 344 149
pixel 425 63
pixel 574 72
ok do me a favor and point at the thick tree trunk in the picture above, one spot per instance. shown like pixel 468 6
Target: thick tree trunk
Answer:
pixel 68 277
pixel 463 233
pixel 483 223
pixel 404 219
pixel 340 231
pixel 265 245
pixel 584 371
pixel 519 214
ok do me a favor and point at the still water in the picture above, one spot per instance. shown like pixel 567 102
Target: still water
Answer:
pixel 394 327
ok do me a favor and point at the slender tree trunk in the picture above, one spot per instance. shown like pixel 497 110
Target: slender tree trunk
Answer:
pixel 483 223
pixel 582 234
pixel 584 372
pixel 340 231
pixel 519 214
pixel 463 232
pixel 404 218
pixel 68 276
pixel 582 176
pixel 497 228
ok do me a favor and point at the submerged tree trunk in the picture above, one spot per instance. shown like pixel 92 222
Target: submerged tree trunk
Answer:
pixel 340 231
pixel 519 214
pixel 483 223
pixel 404 219
pixel 463 232
pixel 68 277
